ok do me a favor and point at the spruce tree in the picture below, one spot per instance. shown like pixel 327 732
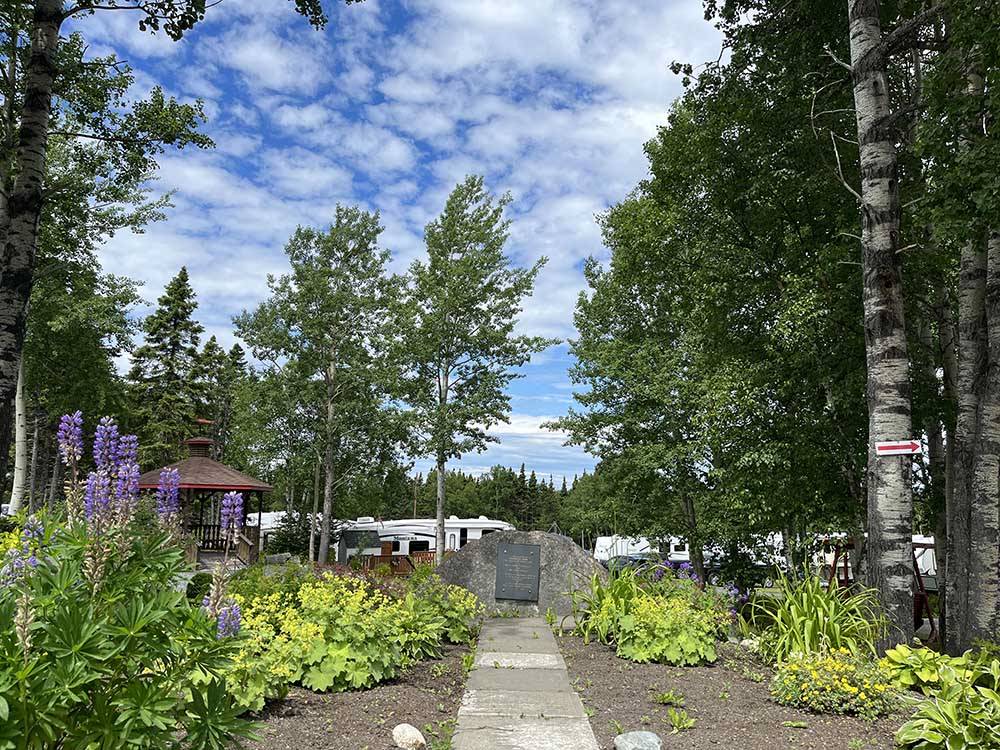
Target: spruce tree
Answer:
pixel 164 374
pixel 219 374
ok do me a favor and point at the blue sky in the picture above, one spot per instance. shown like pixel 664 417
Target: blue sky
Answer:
pixel 388 108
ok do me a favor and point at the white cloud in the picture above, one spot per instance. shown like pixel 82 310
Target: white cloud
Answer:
pixel 390 107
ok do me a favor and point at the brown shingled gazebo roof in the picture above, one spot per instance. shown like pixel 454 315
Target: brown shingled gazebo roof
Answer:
pixel 199 472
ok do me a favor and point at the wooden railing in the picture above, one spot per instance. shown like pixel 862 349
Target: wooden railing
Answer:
pixel 245 547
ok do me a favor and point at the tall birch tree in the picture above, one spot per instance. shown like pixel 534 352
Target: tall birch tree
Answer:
pixel 889 482
pixel 458 339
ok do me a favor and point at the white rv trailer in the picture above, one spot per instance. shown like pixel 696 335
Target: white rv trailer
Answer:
pixel 366 535
pixel 606 547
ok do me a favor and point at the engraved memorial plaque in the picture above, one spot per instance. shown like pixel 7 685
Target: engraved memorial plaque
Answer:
pixel 518 572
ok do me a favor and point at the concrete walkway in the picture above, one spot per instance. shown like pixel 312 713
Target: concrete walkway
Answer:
pixel 518 695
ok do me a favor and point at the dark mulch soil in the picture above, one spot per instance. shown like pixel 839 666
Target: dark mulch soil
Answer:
pixel 729 702
pixel 427 694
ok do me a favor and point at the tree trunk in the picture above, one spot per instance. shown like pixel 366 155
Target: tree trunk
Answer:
pixel 315 511
pixel 20 445
pixel 53 493
pixel 19 223
pixel 984 526
pixel 439 535
pixel 33 468
pixel 328 488
pixel 890 499
pixel 948 344
pixel 971 381
pixel 328 460
pixel 695 549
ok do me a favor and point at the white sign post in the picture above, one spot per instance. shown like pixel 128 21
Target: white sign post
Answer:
pixel 897 448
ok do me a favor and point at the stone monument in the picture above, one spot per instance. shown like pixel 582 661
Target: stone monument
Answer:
pixel 528 571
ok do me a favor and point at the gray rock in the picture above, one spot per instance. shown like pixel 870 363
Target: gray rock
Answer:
pixel 564 566
pixel 279 559
pixel 638 741
pixel 408 737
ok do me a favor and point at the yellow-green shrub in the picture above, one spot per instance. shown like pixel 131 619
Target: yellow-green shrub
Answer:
pixel 669 631
pixel 277 644
pixel 834 682
pixel 341 633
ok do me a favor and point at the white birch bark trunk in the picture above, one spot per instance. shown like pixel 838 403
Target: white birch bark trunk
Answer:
pixel 19 225
pixel 890 499
pixel 984 511
pixel 20 444
pixel 328 484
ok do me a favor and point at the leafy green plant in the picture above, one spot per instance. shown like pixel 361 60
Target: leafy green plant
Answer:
pixel 343 632
pixel 965 712
pixel 836 682
pixel 469 660
pixel 666 631
pixel 922 668
pixel 111 656
pixel 198 586
pixel 669 698
pixel 651 619
pixel 440 734
pixel 807 616
pixel 679 720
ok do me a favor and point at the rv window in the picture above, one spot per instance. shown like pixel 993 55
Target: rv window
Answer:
pixel 361 539
pixel 420 546
pixel 463 537
pixel 680 547
pixel 395 546
pixel 487 531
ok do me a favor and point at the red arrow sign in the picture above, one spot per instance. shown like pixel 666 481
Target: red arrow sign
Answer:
pixel 897 448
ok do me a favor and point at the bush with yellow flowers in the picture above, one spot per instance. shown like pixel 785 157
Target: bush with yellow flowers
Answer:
pixel 834 682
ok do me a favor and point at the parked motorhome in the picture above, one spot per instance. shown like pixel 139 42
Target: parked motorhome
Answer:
pixel 366 535
pixel 607 547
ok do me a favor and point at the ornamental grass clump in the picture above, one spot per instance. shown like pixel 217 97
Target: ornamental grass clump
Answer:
pixel 834 682
pixel 806 616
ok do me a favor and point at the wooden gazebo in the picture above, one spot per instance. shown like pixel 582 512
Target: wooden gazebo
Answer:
pixel 203 478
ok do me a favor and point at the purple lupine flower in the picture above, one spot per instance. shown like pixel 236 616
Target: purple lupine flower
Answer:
pixel 32 531
pixel 231 515
pixel 126 485
pixel 13 568
pixel 228 622
pixel 128 449
pixel 167 491
pixel 70 437
pixel 106 444
pixel 97 495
